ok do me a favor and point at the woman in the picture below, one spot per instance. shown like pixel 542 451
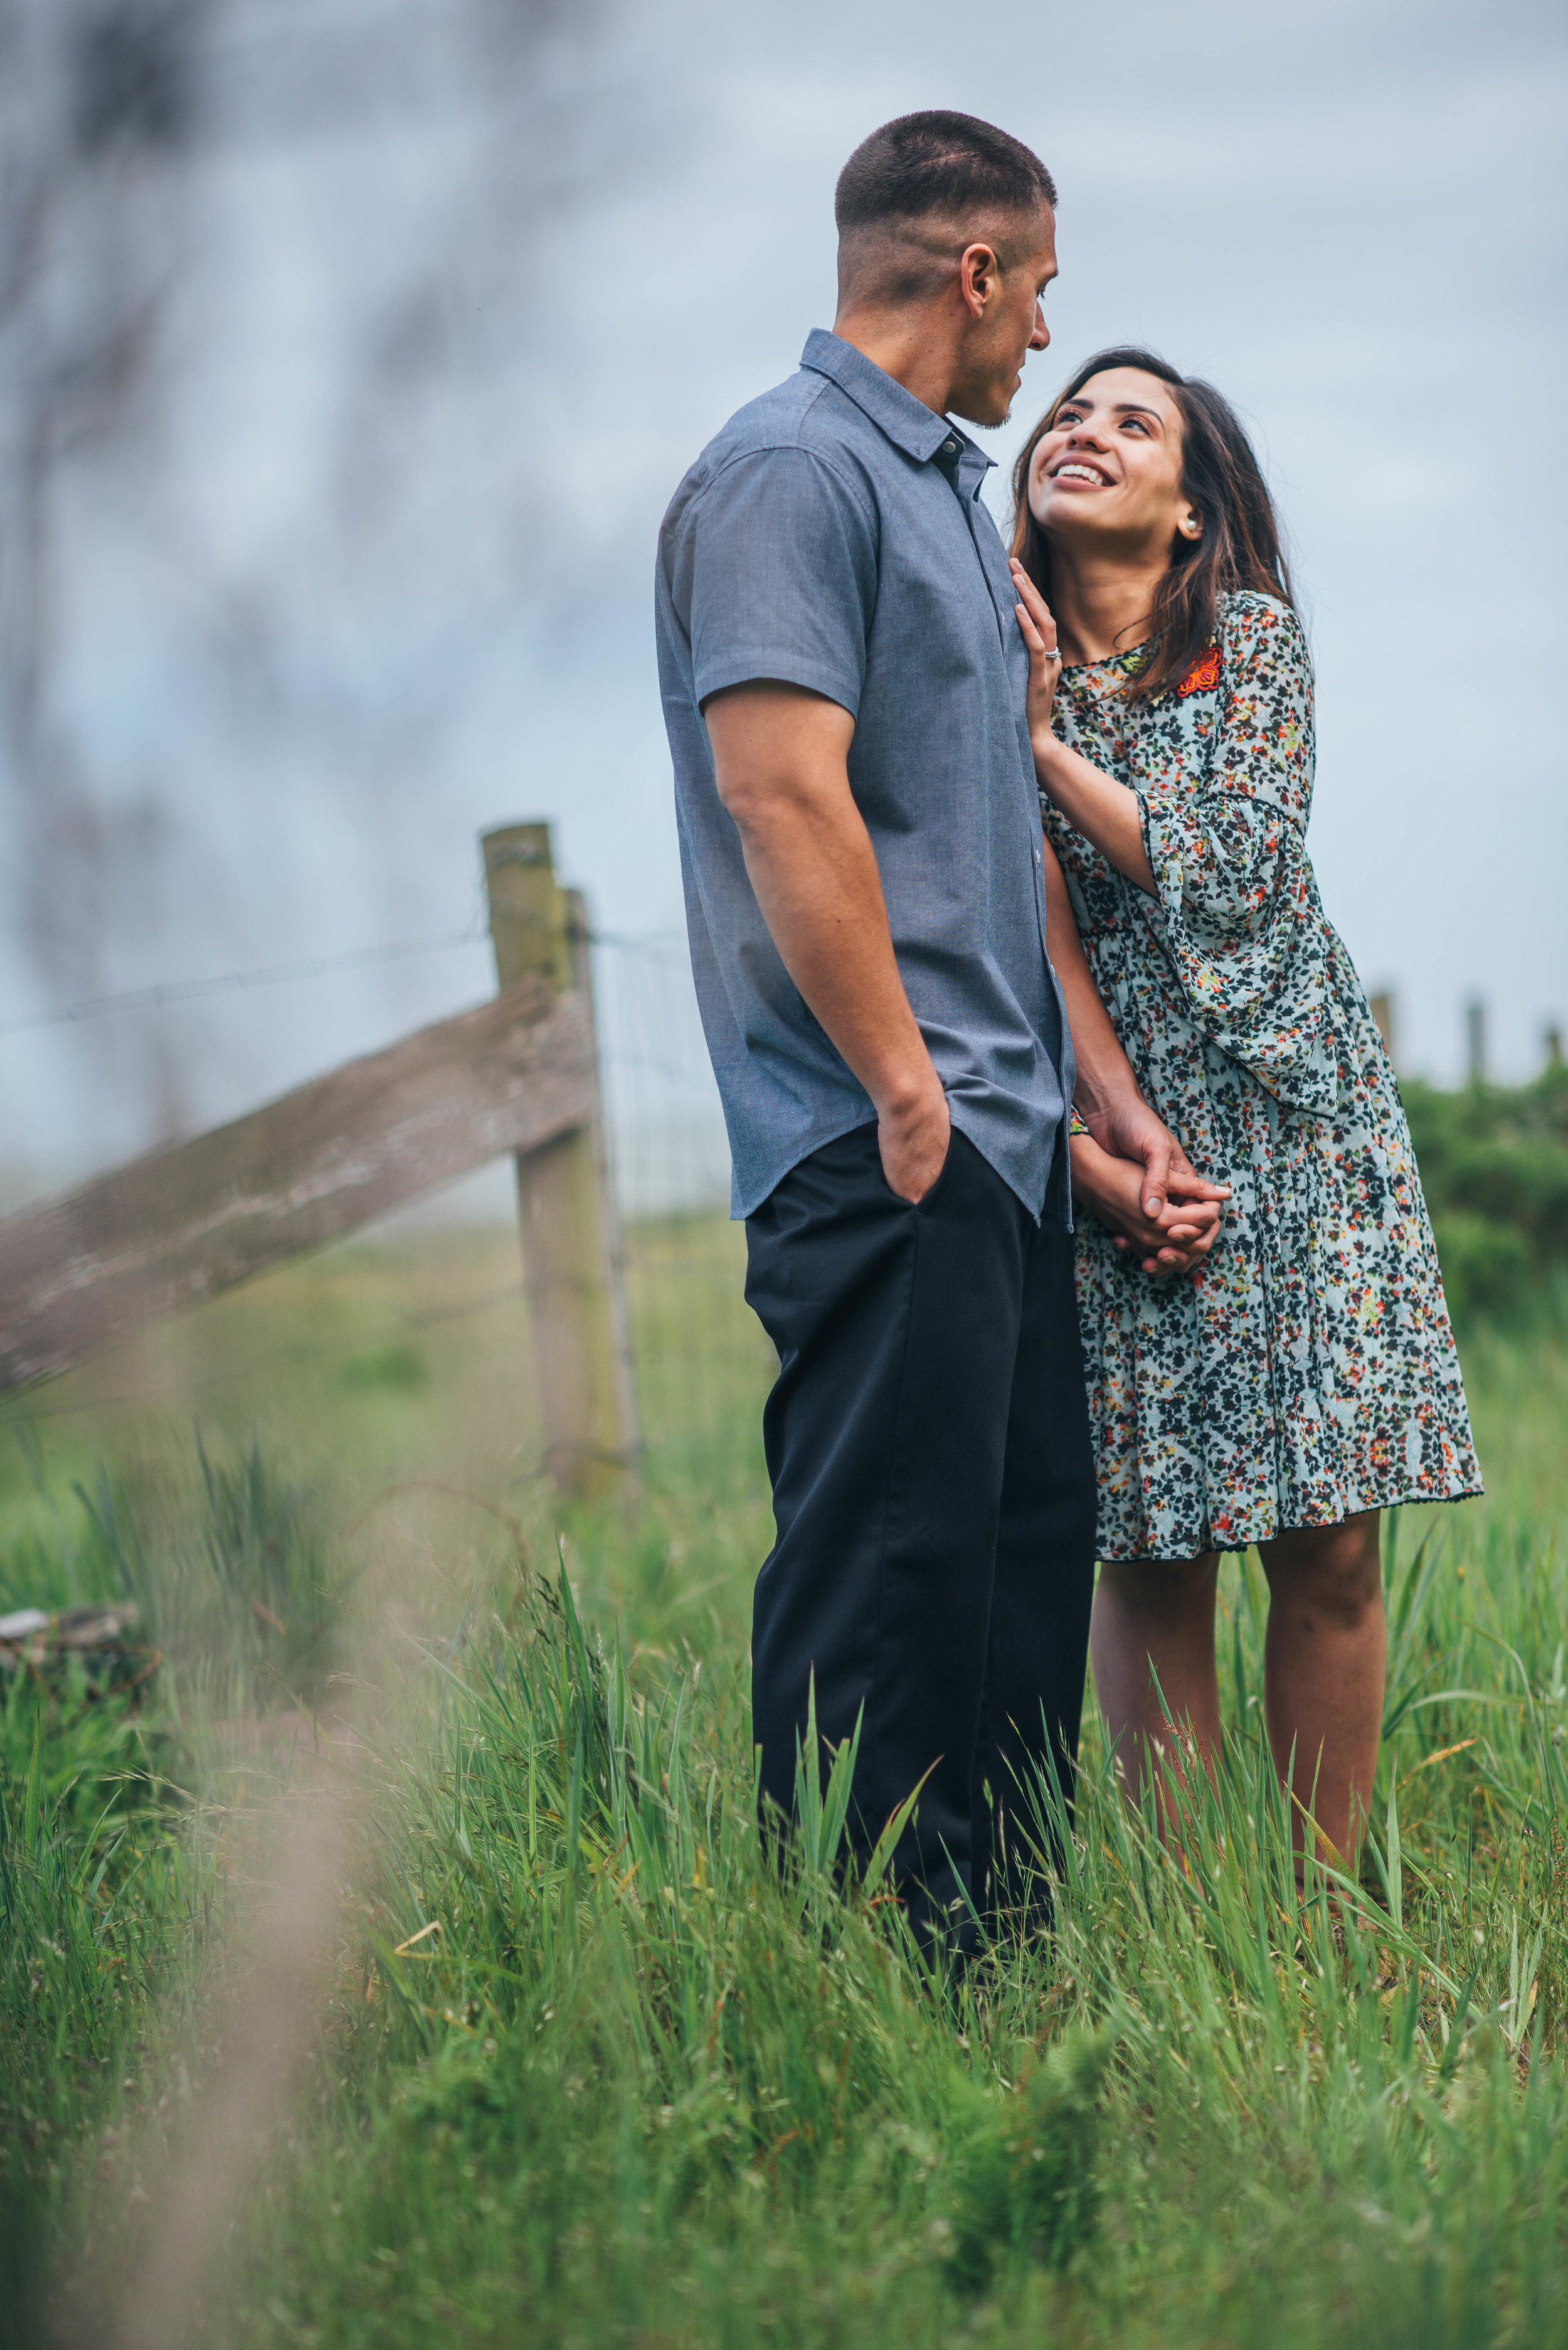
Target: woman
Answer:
pixel 1304 1378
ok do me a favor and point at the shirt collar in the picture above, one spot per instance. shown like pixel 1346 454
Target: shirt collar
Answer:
pixel 908 422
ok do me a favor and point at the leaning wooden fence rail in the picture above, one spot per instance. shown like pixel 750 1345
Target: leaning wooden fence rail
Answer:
pixel 519 1074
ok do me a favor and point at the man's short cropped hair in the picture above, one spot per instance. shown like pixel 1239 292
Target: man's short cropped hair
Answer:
pixel 937 165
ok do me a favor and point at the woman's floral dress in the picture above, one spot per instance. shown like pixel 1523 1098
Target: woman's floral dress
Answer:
pixel 1307 1369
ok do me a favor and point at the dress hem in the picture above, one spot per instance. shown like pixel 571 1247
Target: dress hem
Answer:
pixel 1249 1542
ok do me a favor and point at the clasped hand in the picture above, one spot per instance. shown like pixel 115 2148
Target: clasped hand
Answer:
pixel 1172 1240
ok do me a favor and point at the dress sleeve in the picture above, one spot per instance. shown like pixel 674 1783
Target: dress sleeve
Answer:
pixel 1238 905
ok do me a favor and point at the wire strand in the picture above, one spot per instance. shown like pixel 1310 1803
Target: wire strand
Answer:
pixel 659 947
pixel 182 991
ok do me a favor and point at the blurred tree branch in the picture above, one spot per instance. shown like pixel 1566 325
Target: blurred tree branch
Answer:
pixel 127 131
pixel 98 107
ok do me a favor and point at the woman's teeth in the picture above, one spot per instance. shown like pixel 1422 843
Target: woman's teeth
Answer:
pixel 1081 474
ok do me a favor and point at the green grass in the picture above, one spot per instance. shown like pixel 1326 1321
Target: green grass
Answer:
pixel 581 2066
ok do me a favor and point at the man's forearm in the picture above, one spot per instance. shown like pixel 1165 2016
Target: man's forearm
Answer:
pixel 1107 1092
pixel 780 758
pixel 813 873
pixel 1105 1077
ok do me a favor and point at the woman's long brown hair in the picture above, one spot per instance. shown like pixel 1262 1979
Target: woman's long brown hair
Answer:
pixel 1239 545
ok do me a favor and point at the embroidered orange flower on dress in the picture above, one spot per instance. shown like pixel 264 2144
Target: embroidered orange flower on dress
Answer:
pixel 1204 675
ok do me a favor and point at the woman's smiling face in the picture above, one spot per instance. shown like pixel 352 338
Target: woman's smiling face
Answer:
pixel 1109 472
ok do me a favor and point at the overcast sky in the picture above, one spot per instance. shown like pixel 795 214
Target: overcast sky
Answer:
pixel 1349 216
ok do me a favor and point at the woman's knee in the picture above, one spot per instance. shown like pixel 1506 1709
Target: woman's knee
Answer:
pixel 1332 1572
pixel 1161 1588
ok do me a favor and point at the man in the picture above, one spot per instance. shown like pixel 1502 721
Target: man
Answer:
pixel 844 686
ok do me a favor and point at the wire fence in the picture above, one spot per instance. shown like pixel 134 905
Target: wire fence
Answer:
pixel 187 990
pixel 702 1361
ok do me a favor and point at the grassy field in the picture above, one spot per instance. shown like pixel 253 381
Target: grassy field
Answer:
pixel 397 1966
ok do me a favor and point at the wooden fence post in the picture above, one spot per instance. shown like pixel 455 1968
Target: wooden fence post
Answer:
pixel 573 1261
pixel 1381 1007
pixel 1475 1039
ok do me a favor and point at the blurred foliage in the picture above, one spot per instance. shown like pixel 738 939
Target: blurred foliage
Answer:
pixel 1494 1165
pixel 402 1367
pixel 226 1567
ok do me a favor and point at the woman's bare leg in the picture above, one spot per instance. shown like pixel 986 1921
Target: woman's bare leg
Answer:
pixel 1323 1671
pixel 1154 1619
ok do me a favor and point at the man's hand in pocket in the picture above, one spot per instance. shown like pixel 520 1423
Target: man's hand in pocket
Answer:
pixel 913 1137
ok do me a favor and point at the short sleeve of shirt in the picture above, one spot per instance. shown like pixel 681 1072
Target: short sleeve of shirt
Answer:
pixel 775 576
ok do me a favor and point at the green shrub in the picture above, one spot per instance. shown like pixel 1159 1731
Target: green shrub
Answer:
pixel 1494 1168
pixel 1488 1267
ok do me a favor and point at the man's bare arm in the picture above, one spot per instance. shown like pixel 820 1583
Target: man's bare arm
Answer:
pixel 1106 1093
pixel 780 756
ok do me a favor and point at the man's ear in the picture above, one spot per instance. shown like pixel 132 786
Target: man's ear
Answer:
pixel 979 270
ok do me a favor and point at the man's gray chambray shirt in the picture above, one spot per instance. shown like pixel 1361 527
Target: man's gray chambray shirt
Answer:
pixel 819 539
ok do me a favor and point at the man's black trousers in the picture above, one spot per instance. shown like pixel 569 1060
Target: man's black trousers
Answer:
pixel 927 1440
